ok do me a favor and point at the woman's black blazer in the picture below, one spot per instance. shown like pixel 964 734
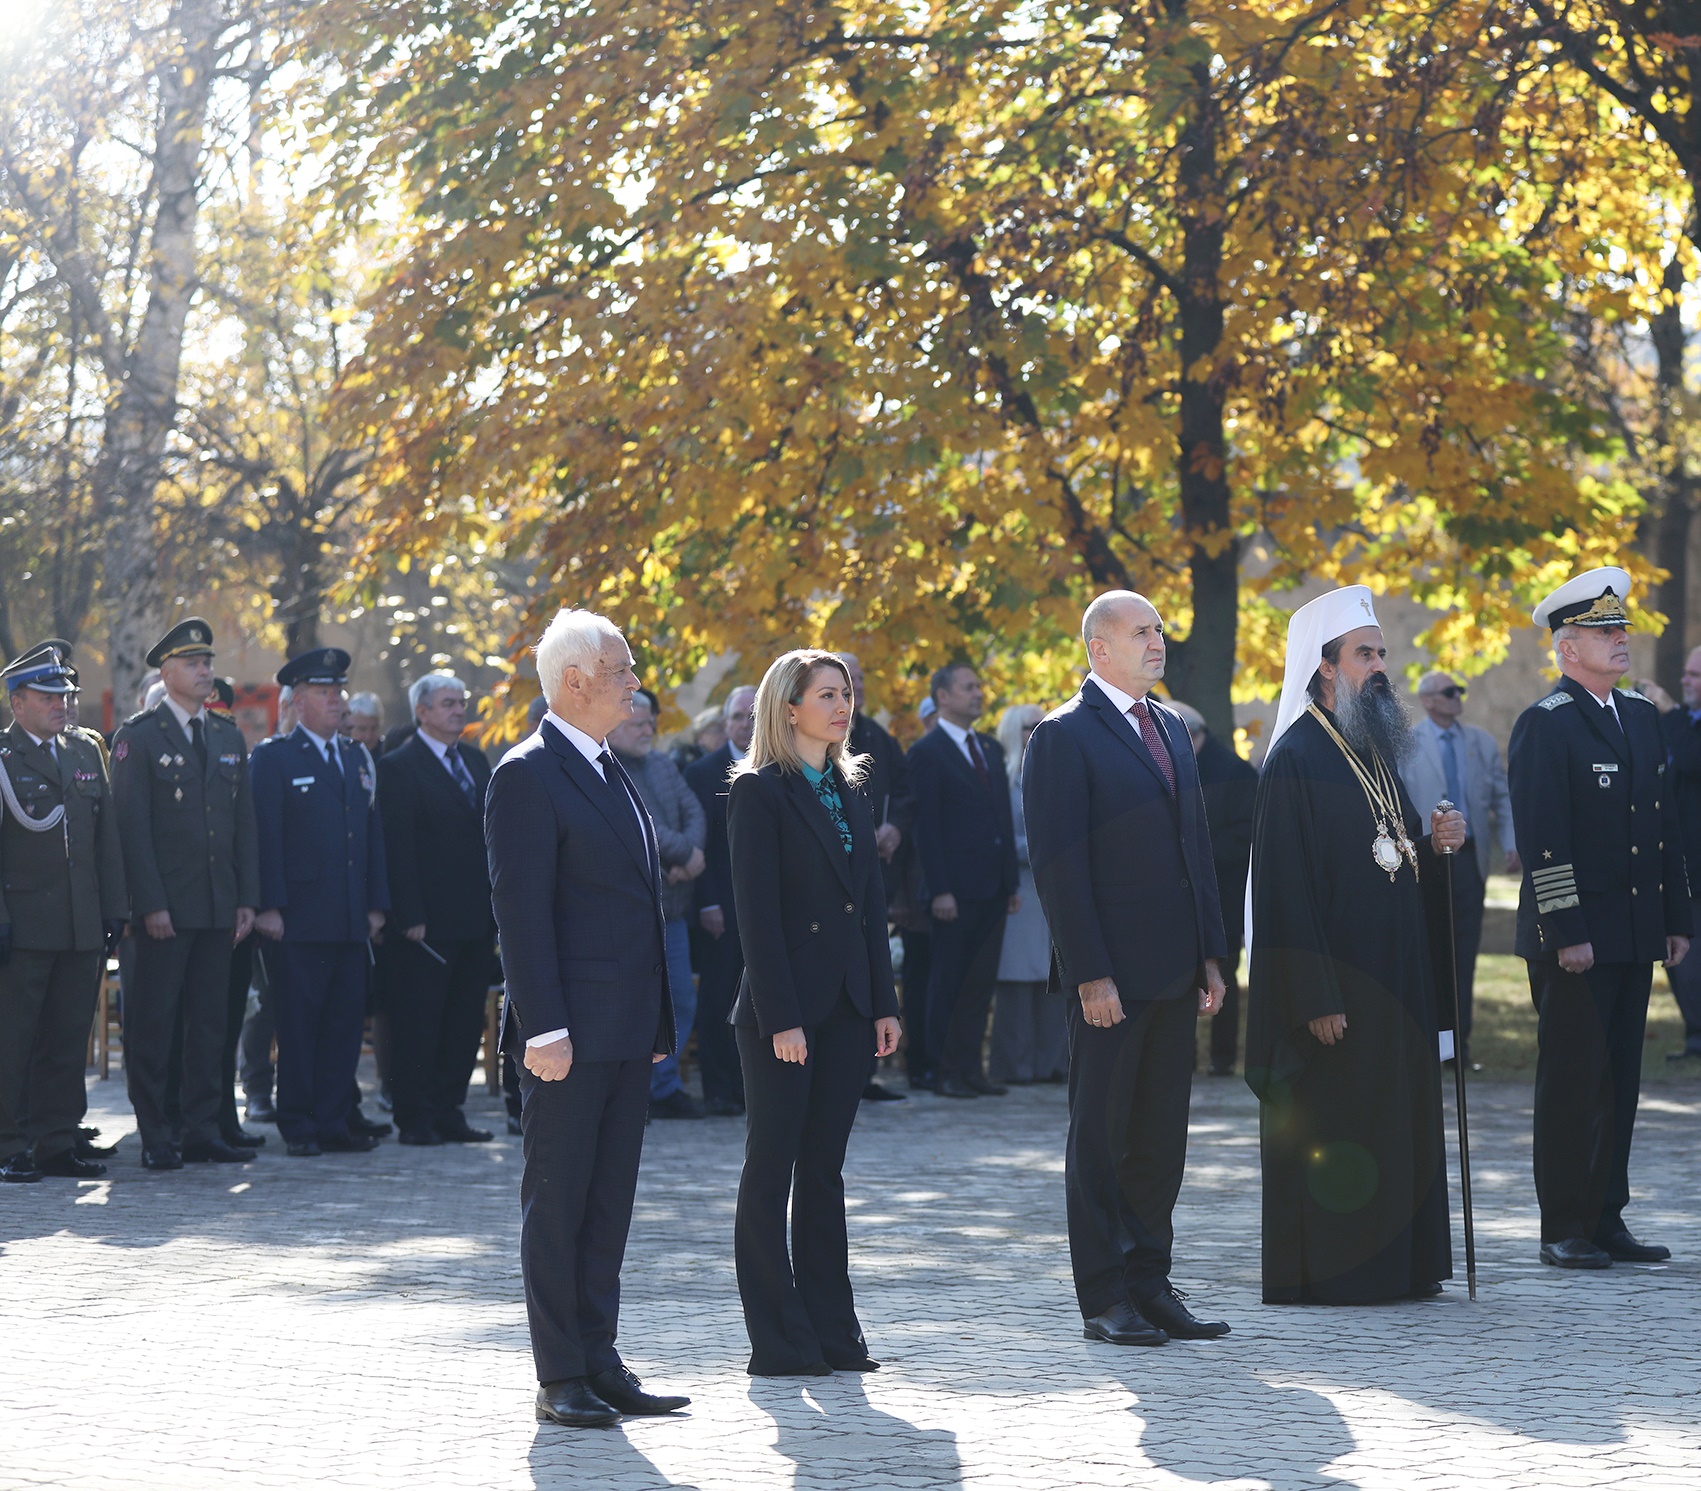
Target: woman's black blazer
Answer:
pixel 811 918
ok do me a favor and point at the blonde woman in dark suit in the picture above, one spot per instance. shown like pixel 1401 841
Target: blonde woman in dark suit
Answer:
pixel 816 1001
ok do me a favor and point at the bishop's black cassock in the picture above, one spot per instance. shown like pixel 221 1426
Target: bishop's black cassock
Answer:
pixel 1355 1184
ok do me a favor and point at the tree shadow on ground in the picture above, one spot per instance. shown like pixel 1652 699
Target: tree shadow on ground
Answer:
pixel 835 1437
pixel 563 1459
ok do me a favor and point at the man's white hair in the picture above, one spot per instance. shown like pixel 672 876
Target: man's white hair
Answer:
pixel 575 639
pixel 421 690
pixel 1101 611
pixel 368 706
pixel 1566 633
pixel 743 688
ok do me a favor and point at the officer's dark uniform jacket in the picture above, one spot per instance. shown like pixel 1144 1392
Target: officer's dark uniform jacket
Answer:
pixel 57 887
pixel 1597 829
pixel 189 838
pixel 321 845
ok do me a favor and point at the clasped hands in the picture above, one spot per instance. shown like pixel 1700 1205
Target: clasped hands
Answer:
pixel 793 1045
pixel 1101 1004
pixel 552 1061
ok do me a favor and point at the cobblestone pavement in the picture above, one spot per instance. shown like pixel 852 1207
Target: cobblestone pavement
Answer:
pixel 356 1321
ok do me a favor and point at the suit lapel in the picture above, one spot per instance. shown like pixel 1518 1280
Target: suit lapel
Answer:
pixel 652 850
pixel 585 777
pixel 955 752
pixel 1615 740
pixel 820 821
pixel 1123 729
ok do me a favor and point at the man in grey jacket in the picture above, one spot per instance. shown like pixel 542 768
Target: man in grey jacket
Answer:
pixel 1463 764
pixel 681 832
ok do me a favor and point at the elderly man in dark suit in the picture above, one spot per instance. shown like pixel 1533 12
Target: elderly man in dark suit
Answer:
pixel 324 892
pixel 965 836
pixel 576 878
pixel 1122 860
pixel 720 956
pixel 437 959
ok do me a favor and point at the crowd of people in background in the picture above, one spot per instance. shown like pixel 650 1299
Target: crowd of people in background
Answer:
pixel 395 945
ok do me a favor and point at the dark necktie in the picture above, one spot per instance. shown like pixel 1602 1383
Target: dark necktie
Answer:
pixel 198 739
pixel 331 761
pixel 463 777
pixel 1450 769
pixel 978 761
pixel 1142 713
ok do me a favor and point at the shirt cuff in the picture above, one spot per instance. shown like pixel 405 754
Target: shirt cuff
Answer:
pixel 545 1038
pixel 715 907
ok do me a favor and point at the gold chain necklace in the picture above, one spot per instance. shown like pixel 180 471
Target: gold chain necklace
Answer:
pixel 1388 847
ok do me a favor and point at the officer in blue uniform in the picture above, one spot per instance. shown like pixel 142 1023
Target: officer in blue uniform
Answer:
pixel 1604 896
pixel 323 895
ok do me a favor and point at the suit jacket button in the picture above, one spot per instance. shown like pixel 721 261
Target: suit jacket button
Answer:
pixel 655 968
pixel 850 906
pixel 1184 883
pixel 815 926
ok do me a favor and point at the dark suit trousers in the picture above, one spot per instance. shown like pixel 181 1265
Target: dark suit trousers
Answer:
pixel 1685 981
pixel 235 1012
pixel 584 1136
pixel 797 1306
pixel 180 992
pixel 720 967
pixel 1590 1028
pixel 918 970
pixel 47 1003
pixel 319 1009
pixel 1129 1087
pixel 436 1021
pixel 960 982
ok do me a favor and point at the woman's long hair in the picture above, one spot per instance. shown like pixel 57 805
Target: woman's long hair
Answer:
pixel 774 738
pixel 1011 724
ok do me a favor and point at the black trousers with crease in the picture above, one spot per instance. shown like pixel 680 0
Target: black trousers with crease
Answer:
pixel 798 1306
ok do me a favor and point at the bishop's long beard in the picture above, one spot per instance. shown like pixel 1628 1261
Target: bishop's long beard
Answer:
pixel 1373 718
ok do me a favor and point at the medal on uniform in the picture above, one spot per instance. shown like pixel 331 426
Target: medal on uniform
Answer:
pixel 165 760
pixel 176 760
pixel 179 794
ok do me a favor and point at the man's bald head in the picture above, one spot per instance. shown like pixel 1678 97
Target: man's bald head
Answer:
pixel 1125 641
pixel 1442 697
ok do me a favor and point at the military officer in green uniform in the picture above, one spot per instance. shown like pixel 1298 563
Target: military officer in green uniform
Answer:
pixel 180 781
pixel 62 906
pixel 1604 898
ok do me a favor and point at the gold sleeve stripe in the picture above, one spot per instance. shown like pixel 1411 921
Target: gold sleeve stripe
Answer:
pixel 1561 903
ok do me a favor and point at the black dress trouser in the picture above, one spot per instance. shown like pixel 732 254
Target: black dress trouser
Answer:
pixel 961 978
pixel 436 1017
pixel 1129 1089
pixel 798 1307
pixel 47 1003
pixel 180 993
pixel 720 963
pixel 1590 1028
pixel 235 1012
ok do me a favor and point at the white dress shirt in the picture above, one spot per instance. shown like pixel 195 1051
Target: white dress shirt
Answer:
pixel 961 736
pixel 49 743
pixel 1609 703
pixel 592 751
pixel 182 716
pixel 1123 701
pixel 441 752
pixel 320 741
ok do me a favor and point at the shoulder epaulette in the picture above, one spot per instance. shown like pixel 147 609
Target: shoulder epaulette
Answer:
pixel 1632 694
pixel 1553 701
pixel 139 716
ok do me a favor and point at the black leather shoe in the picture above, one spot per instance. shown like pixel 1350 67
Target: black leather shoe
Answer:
pixel 87 1149
pixel 723 1108
pixel 1621 1247
pixel 350 1143
pixel 361 1126
pixel 215 1151
pixel 1426 1291
pixel 161 1157
pixel 572 1402
pixel 985 1086
pixel 676 1105
pixel 951 1087
pixel 241 1138
pixel 514 1125
pixel 66 1164
pixel 302 1149
pixel 20 1170
pixel 259 1110
pixel 1169 1314
pixel 1123 1325
pixel 1575 1252
pixel 856 1364
pixel 618 1388
pixel 464 1133
pixel 875 1093
pixel 1688 1053
pixel 425 1138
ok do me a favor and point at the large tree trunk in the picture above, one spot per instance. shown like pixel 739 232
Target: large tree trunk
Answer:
pixel 145 410
pixel 1674 512
pixel 1202 666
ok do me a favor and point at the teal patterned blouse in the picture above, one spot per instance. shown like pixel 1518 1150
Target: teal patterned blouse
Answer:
pixel 826 788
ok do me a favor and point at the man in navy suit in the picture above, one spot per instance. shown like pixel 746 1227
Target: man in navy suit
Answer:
pixel 576 880
pixel 965 838
pixel 324 892
pixel 1122 863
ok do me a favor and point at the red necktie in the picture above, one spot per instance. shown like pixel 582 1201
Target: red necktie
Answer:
pixel 1154 742
pixel 979 762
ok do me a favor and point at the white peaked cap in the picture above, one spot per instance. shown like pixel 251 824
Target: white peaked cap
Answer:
pixel 1309 628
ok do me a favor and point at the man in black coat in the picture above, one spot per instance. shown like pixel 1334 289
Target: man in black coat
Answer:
pixel 437 957
pixel 1122 863
pixel 1604 897
pixel 965 836
pixel 887 787
pixel 720 958
pixel 576 882
pixel 1682 729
